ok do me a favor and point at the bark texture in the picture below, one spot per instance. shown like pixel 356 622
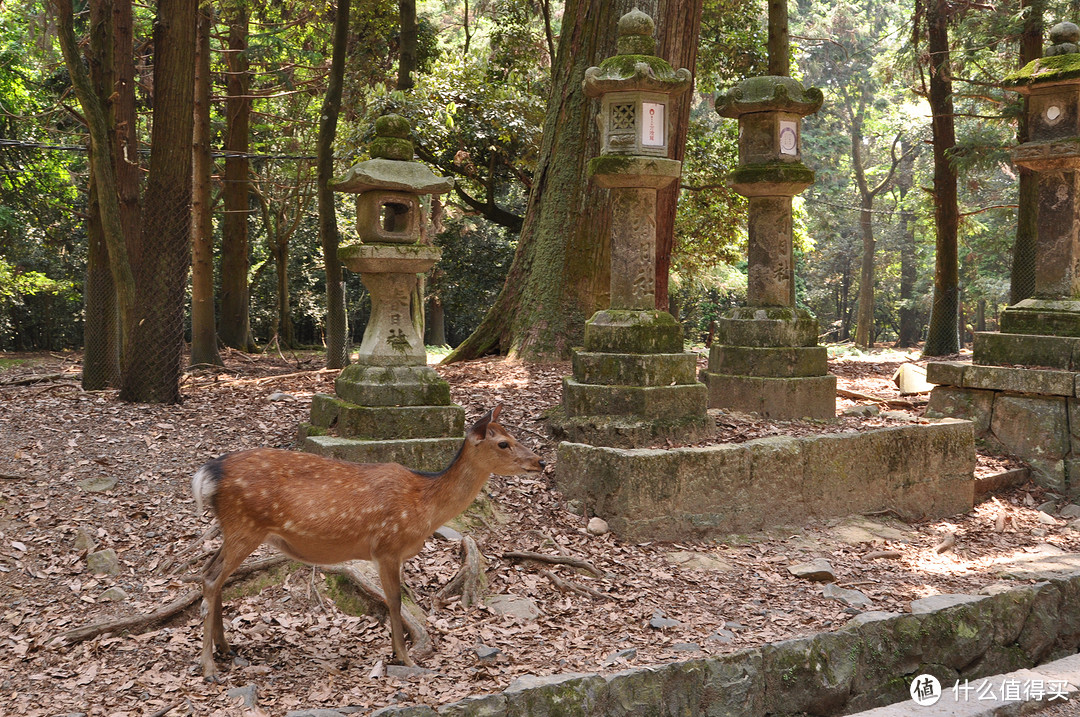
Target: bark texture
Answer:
pixel 1022 279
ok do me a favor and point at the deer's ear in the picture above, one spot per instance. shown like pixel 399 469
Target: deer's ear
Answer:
pixel 495 412
pixel 478 430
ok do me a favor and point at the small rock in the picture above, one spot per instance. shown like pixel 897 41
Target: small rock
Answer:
pixel 513 606
pixel 448 534
pixel 598 526
pixel 280 396
pixel 899 416
pixel 486 653
pixel 1046 519
pixel 692 560
pixel 83 542
pixel 114 594
pixel 249 693
pixel 736 626
pixel 1048 507
pixel 1039 532
pixel 659 621
pixel 851 598
pixel 98 484
pixel 103 562
pixel 724 637
pixel 627 654
pixel 686 647
pixel 317 712
pixel 818 570
pixel 403 672
pixel 1072 510
pixel 996 588
pixel 865 411
pixel 240 662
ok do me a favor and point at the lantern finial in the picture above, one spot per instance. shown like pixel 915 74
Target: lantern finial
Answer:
pixel 635 34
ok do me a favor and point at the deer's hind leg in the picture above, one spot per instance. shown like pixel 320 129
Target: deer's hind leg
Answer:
pixel 217 571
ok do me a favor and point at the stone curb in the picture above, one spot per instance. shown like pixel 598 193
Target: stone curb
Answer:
pixel 867 664
pixel 1063 673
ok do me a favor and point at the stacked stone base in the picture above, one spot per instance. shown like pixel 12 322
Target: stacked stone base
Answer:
pixel 632 385
pixel 767 361
pixel 400 414
pixel 1032 413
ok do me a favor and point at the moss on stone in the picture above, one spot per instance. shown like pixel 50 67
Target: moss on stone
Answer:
pixel 256 583
pixel 625 67
pixel 392 125
pixel 772 173
pixel 391 148
pixel 1045 69
pixel 345 595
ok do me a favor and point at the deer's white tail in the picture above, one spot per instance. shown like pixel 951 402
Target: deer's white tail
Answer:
pixel 205 483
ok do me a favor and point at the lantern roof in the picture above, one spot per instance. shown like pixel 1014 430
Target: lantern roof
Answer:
pixel 635 67
pixel 391 166
pixel 1061 62
pixel 769 93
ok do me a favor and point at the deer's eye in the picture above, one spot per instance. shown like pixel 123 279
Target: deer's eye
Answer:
pixel 503 444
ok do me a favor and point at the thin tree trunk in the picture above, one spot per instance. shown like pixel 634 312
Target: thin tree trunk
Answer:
pixel 909 325
pixel 864 324
pixel 407 45
pixel 204 348
pixel 1022 280
pixel 337 326
pixel 779 42
pixel 152 374
pixel 234 328
pixel 436 323
pixel 942 338
pixel 678 29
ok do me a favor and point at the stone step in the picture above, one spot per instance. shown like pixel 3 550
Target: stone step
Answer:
pixel 992 348
pixel 1042 317
pixel 1046 382
pixel 767 326
pixel 419 454
pixel 614 369
pixel 392 386
pixel 386 422
pixel 768 361
pixel 647 402
pixel 784 398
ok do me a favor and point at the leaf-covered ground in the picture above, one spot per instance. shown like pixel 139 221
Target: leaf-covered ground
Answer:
pixel 299 650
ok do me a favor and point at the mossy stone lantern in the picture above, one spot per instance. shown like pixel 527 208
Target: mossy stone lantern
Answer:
pixel 388 405
pixel 632 382
pixel 389 255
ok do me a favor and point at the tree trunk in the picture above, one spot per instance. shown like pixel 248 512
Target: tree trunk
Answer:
pixel 942 338
pixel 779 42
pixel 280 250
pixel 436 323
pixel 101 328
pixel 337 325
pixel 153 371
pixel 560 274
pixel 1022 280
pixel 908 335
pixel 234 328
pixel 204 348
pixel 677 30
pixel 864 324
pixel 101 163
pixel 407 44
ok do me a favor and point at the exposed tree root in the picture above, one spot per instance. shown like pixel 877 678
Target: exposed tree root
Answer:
pixel 138 623
pixel 469 582
pixel 554 559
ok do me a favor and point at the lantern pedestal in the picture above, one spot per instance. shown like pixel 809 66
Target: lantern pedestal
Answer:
pixel 765 358
pixel 389 406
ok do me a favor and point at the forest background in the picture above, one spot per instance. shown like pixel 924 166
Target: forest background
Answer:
pixel 475 79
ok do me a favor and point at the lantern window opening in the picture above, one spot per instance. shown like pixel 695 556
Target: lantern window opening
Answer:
pixel 394 217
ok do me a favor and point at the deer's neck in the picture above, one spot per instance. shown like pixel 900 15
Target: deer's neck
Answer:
pixel 453 491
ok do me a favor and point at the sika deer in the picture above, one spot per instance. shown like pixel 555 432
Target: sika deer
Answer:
pixel 324 511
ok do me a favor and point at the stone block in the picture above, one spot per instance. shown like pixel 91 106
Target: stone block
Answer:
pixel 964 403
pixel 809 675
pixel 799 397
pixel 420 454
pixel 996 349
pixel 378 423
pixel 1021 380
pixel 946 373
pixel 767 326
pixel 392 386
pixel 613 369
pixel 767 361
pixel 648 402
pixel 552 695
pixel 633 332
pixel 1042 317
pixel 1032 427
pixel 626 431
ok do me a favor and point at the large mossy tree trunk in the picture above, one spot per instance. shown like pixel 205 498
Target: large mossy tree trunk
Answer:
pixel 152 371
pixel 234 326
pixel 942 337
pixel 204 348
pixel 678 29
pixel 337 325
pixel 1022 278
pixel 560 274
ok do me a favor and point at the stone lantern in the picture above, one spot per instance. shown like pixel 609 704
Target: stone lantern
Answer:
pixel 632 382
pixel 389 405
pixel 765 357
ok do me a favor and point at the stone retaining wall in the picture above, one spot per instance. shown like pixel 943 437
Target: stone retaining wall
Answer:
pixel 922 471
pixel 868 663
